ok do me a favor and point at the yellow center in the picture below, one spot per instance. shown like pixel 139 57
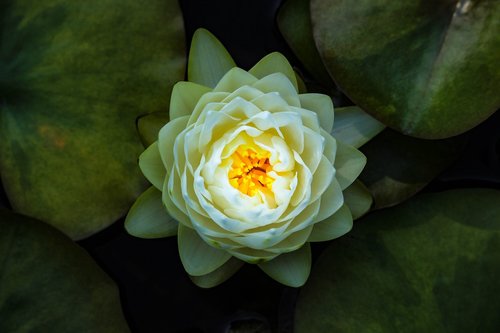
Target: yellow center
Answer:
pixel 249 171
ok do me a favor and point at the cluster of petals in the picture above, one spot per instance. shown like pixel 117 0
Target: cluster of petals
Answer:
pixel 251 173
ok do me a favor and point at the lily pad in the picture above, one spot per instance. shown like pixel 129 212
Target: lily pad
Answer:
pixel 294 22
pixel 74 76
pixel 399 166
pixel 50 284
pixel 429 265
pixel 426 69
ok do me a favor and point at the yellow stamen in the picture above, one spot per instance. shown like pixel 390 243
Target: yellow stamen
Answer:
pixel 249 171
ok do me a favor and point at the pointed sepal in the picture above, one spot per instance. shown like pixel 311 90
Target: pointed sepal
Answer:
pixel 148 218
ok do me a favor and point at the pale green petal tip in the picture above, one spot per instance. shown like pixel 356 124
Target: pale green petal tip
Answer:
pixel 291 269
pixel 147 218
pixel 273 63
pixel 208 59
pixel 355 127
pixel 218 276
pixel 197 257
pixel 185 96
pixel 349 163
pixel 234 79
pixel 358 198
pixel 152 166
pixel 333 227
pixel 322 105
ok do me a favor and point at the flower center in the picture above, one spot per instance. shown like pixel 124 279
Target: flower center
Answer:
pixel 249 171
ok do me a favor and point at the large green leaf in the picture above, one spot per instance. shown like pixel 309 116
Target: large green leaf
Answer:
pixel 399 166
pixel 50 284
pixel 74 76
pixel 429 265
pixel 294 23
pixel 426 68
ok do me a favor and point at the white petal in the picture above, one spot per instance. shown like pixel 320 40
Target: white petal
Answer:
pixel 272 102
pixel 330 146
pixel 246 92
pixel 314 145
pixel 206 99
pixel 293 242
pixel 166 139
pixel 234 79
pixel 331 200
pixel 278 82
pixel 176 209
pixel 185 96
pixel 322 105
pixel 273 63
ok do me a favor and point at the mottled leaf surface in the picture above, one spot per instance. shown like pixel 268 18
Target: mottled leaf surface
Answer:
pixel 74 76
pixel 429 265
pixel 425 68
pixel 50 284
pixel 294 22
pixel 399 166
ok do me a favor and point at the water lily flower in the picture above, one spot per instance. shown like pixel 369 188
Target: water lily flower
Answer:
pixel 248 169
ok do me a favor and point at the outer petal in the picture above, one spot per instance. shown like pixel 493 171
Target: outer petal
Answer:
pixel 208 59
pixel 185 96
pixel 197 256
pixel 349 162
pixel 273 63
pixel 147 218
pixel 314 145
pixel 166 139
pixel 322 105
pixel 234 79
pixel 331 201
pixel 322 178
pixel 291 269
pixel 280 83
pixel 330 146
pixel 271 102
pixel 358 199
pixel 333 227
pixel 355 127
pixel 171 207
pixel 293 241
pixel 152 167
pixel 205 102
pixel 218 276
pixel 253 256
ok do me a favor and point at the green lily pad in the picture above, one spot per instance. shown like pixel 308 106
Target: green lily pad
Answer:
pixel 50 284
pixel 426 69
pixel 429 265
pixel 294 22
pixel 74 76
pixel 399 166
